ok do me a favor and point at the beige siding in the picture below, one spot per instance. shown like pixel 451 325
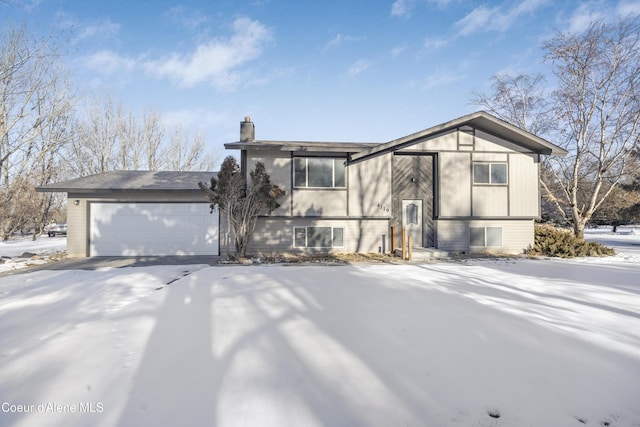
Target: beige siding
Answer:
pixel 446 142
pixel 455 184
pixel 370 187
pixel 278 166
pixel 490 201
pixel 78 216
pixel 316 202
pixel 490 157
pixel 465 138
pixel 77 228
pixel 517 235
pixel 487 142
pixel 524 194
pixel 273 236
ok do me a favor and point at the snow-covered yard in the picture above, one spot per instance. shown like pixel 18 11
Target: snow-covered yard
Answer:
pixel 11 251
pixel 479 343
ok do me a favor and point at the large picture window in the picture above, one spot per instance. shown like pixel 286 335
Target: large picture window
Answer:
pixel 318 172
pixel 318 237
pixel 490 173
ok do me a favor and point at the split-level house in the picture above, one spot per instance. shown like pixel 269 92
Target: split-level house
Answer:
pixel 468 184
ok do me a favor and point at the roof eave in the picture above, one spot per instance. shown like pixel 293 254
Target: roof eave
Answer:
pixel 301 146
pixel 112 190
pixel 479 119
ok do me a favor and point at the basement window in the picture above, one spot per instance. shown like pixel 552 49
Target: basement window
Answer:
pixel 485 237
pixel 319 172
pixel 318 237
pixel 490 173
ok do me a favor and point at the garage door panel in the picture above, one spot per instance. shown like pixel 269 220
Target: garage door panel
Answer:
pixel 145 229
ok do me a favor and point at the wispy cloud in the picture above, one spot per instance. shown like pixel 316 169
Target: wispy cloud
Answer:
pixel 26 5
pixel 195 118
pixel 109 62
pixel 497 18
pixel 439 79
pixel 628 8
pixel 436 43
pixel 404 8
pixel 104 29
pixel 584 15
pixel 600 11
pixel 219 62
pixel 359 67
pixel 398 50
pixel 339 40
pixel 216 62
pixel 187 17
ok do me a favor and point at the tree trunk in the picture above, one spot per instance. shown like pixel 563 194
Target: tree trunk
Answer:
pixel 578 227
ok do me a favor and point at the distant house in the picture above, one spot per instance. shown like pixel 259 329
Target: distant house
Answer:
pixel 468 184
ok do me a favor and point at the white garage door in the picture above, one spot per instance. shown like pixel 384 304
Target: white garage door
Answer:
pixel 147 229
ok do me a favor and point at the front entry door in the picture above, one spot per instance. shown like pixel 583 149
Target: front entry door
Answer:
pixel 412 221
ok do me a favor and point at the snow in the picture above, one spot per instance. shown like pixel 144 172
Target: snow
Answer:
pixel 536 342
pixel 12 250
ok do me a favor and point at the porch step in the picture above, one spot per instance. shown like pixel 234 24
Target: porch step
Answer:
pixel 424 254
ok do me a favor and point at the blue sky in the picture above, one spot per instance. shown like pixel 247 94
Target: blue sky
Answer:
pixel 367 70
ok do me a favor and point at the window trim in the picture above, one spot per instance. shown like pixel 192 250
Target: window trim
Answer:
pixel 306 172
pixel 490 164
pixel 306 237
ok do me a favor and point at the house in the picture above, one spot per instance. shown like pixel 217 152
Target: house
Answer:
pixel 468 184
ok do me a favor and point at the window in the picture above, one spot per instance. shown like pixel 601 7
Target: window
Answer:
pixel 485 236
pixel 318 237
pixel 489 173
pixel 412 214
pixel 319 172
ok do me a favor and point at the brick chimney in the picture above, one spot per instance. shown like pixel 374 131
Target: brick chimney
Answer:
pixel 247 130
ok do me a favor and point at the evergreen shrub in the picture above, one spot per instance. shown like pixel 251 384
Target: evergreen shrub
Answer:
pixel 553 242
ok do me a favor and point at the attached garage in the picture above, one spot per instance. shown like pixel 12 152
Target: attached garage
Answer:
pixel 139 213
pixel 152 229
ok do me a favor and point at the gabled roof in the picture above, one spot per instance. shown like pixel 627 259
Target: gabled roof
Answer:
pixel 479 120
pixel 115 181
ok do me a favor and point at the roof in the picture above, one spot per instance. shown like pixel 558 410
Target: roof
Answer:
pixel 348 147
pixel 114 181
pixel 479 120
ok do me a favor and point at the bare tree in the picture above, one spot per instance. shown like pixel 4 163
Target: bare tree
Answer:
pixel 596 110
pixel 598 103
pixel 522 100
pixel 96 148
pixel 110 138
pixel 186 153
pixel 152 142
pixel 35 104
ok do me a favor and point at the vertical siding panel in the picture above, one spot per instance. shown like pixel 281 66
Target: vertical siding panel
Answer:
pixel 490 201
pixel 524 191
pixel 455 184
pixel 370 187
pixel 76 227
